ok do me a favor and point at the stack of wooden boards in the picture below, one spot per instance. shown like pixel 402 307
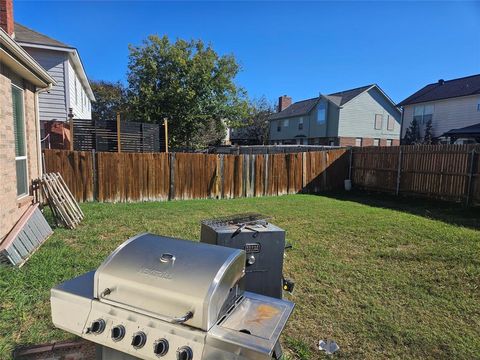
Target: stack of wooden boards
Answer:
pixel 27 235
pixel 64 207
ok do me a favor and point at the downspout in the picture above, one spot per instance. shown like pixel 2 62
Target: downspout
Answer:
pixel 37 129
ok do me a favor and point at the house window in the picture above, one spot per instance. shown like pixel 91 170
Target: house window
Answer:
pixel 321 112
pixel 478 107
pixel 423 113
pixel 279 125
pixel 20 143
pixel 390 123
pixel 389 142
pixel 331 143
pixel 300 124
pixel 378 121
pixel 285 123
pixel 376 142
pixel 358 142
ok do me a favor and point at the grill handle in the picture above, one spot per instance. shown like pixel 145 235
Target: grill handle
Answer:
pixel 182 319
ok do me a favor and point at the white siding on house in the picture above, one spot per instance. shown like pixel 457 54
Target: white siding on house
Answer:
pixel 357 117
pixel 52 104
pixel 79 101
pixel 448 114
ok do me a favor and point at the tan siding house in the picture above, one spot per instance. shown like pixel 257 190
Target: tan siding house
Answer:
pixel 21 79
pixel 451 104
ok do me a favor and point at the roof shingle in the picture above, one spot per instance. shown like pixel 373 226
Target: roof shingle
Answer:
pixel 26 35
pixel 305 106
pixel 465 86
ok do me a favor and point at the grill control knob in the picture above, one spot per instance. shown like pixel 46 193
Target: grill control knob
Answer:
pixel 118 332
pixel 160 347
pixel 251 260
pixel 97 326
pixel 184 353
pixel 139 339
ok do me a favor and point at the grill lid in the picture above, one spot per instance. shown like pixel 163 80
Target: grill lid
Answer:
pixel 175 280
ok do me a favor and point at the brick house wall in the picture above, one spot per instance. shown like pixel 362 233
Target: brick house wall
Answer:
pixel 11 207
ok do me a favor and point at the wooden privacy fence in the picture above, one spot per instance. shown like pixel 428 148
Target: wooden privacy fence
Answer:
pixel 445 172
pixel 124 177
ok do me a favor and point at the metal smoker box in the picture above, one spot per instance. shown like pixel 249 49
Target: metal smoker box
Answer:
pixel 263 242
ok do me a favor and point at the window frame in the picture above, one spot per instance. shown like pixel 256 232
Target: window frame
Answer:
pixel 24 157
pixel 381 122
pixel 390 120
pixel 423 114
pixel 279 126
pixel 323 107
pixel 300 123
pixel 377 140
pixel 361 141
pixel 389 142
pixel 285 122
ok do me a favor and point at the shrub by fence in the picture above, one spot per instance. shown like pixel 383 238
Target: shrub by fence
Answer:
pixel 122 177
pixel 445 172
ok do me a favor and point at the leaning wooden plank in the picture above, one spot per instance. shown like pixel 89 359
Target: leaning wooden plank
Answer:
pixel 71 195
pixel 56 201
pixel 69 216
pixel 22 242
pixel 70 203
pixel 61 201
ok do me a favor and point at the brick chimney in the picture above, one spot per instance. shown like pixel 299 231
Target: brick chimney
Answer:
pixel 284 102
pixel 6 16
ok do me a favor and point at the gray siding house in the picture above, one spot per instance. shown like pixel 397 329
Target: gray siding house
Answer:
pixel 363 116
pixel 63 63
pixel 450 105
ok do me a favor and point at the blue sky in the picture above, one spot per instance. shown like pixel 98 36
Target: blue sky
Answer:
pixel 294 48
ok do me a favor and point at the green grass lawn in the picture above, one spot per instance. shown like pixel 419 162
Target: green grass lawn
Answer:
pixel 385 278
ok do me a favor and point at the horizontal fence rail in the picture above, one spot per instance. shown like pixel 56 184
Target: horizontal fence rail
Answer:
pixel 444 172
pixel 129 177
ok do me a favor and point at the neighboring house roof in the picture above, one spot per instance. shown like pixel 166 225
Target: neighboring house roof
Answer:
pixel 19 61
pixel 27 37
pixel 348 95
pixel 441 90
pixel 472 130
pixel 296 109
pixel 340 98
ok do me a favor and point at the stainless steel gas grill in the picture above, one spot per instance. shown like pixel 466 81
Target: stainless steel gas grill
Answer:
pixel 162 297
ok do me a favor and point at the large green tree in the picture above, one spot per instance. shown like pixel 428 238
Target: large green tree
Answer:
pixel 189 84
pixel 111 97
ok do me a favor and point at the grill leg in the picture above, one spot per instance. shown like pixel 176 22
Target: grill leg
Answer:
pixel 277 351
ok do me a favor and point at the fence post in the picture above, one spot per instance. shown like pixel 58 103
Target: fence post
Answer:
pixel 94 176
pixel 171 194
pixel 350 164
pixel 265 178
pixel 304 171
pixel 222 178
pixel 470 177
pixel 70 118
pixel 119 143
pixel 399 171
